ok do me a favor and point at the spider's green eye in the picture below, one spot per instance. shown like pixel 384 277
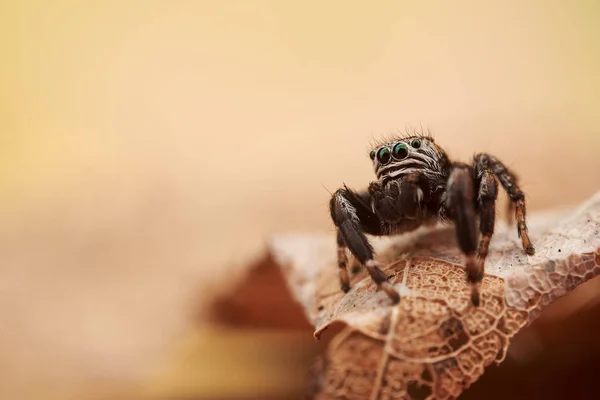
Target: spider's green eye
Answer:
pixel 372 154
pixel 416 143
pixel 383 155
pixel 400 151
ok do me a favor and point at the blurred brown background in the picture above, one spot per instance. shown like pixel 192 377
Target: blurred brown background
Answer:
pixel 147 148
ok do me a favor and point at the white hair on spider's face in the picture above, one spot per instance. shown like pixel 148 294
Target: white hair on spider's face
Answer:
pixel 414 154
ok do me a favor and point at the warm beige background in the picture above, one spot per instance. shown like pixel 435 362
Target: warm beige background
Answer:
pixel 148 147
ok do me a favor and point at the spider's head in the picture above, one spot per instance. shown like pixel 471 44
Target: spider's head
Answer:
pixel 397 158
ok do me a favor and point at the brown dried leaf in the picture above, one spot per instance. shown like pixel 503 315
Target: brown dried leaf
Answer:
pixel 434 344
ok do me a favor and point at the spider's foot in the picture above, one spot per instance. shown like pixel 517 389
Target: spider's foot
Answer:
pixel 391 292
pixel 344 278
pixel 381 280
pixel 475 298
pixel 530 249
pixel 474 276
pixel 527 245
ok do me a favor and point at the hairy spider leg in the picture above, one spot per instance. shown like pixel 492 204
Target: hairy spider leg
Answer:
pixel 342 262
pixel 353 217
pixel 461 209
pixel 508 181
pixel 487 193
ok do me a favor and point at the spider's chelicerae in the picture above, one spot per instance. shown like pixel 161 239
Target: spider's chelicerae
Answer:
pixel 418 184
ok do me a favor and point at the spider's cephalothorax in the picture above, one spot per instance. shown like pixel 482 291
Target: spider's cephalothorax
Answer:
pixel 417 184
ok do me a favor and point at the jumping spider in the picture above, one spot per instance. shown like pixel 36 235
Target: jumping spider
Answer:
pixel 418 184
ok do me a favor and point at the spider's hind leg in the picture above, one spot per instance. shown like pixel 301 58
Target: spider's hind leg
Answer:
pixel 517 197
pixel 351 216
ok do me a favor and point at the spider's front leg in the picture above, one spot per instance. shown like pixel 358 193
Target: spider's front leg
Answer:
pixel 487 193
pixel 353 217
pixel 460 206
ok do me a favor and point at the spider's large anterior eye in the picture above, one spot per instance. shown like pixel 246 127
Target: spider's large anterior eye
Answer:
pixel 383 155
pixel 416 143
pixel 400 151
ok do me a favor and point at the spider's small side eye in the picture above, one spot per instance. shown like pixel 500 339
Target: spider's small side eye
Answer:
pixel 400 151
pixel 383 155
pixel 372 154
pixel 416 143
